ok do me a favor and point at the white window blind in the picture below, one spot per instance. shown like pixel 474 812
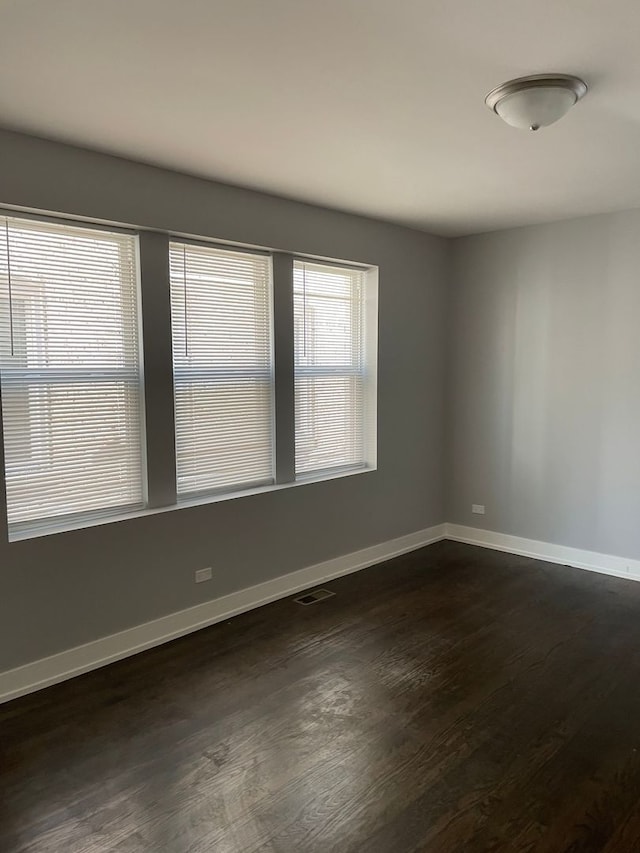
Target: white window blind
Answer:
pixel 333 413
pixel 223 368
pixel 70 368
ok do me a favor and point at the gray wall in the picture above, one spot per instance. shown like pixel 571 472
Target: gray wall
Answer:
pixel 69 588
pixel 543 418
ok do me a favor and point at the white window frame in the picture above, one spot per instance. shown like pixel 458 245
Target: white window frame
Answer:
pixel 33 375
pixel 208 375
pixel 366 372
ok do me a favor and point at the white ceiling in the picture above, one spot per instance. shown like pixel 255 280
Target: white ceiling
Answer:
pixel 371 106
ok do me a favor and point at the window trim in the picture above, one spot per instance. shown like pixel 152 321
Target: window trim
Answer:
pixel 157 381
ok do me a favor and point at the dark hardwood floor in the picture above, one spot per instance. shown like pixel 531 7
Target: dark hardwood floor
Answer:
pixel 454 699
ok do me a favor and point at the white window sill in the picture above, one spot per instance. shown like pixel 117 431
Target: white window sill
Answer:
pixel 182 503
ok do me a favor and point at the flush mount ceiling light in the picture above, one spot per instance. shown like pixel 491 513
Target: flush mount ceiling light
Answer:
pixel 538 101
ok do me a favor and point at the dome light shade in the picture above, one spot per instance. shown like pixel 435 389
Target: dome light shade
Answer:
pixel 534 102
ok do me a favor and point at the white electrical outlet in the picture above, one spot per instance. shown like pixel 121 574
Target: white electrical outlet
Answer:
pixel 478 509
pixel 202 575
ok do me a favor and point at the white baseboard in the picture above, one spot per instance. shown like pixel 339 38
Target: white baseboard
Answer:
pixel 606 564
pixel 51 670
pixel 56 668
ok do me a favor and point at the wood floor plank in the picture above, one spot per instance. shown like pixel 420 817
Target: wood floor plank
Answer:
pixel 452 699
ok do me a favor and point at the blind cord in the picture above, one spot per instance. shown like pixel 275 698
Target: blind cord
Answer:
pixel 6 227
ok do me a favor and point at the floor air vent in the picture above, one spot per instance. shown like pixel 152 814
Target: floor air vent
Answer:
pixel 313 596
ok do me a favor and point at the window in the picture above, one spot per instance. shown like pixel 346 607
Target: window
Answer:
pixel 334 370
pixel 70 372
pixel 261 371
pixel 223 368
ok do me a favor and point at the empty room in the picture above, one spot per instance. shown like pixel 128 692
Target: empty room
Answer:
pixel 319 426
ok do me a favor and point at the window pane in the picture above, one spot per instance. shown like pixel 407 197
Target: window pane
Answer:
pixel 330 372
pixel 223 368
pixel 69 353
